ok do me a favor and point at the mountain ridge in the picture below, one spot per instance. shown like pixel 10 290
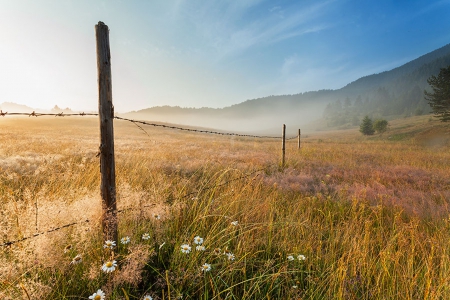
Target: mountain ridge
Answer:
pixel 395 92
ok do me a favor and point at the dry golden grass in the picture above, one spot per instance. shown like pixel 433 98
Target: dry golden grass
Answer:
pixel 369 213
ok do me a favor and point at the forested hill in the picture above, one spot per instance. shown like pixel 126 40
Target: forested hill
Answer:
pixel 394 93
pixel 421 68
pixel 398 92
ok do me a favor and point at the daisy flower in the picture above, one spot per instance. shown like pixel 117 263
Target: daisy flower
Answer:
pixel 206 267
pixel 76 260
pixel 235 223
pixel 109 244
pixel 230 256
pixel 200 248
pixel 99 295
pixel 67 248
pixel 109 266
pixel 145 236
pixel 147 297
pixel 290 257
pixel 198 240
pixel 125 240
pixel 301 257
pixel 185 248
pixel 157 216
pixel 217 251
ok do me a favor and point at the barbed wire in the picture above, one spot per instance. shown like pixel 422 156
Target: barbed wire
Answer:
pixel 35 114
pixel 9 243
pixel 42 232
pixel 200 131
pixel 136 122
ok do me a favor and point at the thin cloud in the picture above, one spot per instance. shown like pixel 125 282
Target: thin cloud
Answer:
pixel 230 30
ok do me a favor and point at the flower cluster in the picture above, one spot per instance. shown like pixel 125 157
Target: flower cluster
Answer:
pixel 299 257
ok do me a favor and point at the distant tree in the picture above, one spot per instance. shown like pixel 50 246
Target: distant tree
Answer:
pixel 380 126
pixel 439 98
pixel 366 126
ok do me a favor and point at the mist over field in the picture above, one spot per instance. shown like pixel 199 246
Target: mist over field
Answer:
pixel 261 121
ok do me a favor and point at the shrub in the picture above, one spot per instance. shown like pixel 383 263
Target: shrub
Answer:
pixel 366 126
pixel 380 126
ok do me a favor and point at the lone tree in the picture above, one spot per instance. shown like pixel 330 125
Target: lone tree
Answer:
pixel 380 125
pixel 439 99
pixel 366 126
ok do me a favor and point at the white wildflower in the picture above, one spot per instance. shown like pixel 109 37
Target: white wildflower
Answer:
pixel 125 240
pixel 77 259
pixel 185 248
pixel 198 240
pixel 206 267
pixel 230 256
pixel 109 244
pixel 99 295
pixel 109 266
pixel 301 257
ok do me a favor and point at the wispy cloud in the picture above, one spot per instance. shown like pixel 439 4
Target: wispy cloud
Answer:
pixel 231 29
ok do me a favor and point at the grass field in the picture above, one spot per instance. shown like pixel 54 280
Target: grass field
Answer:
pixel 350 217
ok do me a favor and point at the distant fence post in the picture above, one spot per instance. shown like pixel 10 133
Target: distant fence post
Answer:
pixel 299 138
pixel 106 117
pixel 283 146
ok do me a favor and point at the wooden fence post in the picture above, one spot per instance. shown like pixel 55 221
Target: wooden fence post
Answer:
pixel 283 146
pixel 106 117
pixel 299 139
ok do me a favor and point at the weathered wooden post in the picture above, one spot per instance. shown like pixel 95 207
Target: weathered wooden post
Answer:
pixel 283 146
pixel 106 117
pixel 299 139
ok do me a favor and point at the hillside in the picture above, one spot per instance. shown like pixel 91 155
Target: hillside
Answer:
pixel 395 93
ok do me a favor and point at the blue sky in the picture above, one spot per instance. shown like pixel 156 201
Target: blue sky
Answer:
pixel 194 53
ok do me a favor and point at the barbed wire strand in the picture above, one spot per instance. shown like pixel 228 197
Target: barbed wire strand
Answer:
pixel 43 232
pixel 9 243
pixel 136 122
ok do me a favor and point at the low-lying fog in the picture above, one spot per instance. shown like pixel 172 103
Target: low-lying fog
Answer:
pixel 261 122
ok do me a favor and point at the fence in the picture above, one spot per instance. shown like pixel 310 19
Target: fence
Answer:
pixel 136 122
pixel 107 163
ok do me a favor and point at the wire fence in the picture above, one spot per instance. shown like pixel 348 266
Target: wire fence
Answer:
pixel 136 122
pixel 200 131
pixel 34 114
pixel 12 242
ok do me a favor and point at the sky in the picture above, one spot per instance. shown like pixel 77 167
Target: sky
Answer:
pixel 206 53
